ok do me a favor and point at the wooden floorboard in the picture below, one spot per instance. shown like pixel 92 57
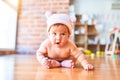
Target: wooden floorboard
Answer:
pixel 26 67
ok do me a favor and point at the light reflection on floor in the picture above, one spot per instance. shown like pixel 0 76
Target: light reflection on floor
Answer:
pixel 6 68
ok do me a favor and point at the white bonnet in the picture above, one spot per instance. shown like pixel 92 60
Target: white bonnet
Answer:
pixel 60 18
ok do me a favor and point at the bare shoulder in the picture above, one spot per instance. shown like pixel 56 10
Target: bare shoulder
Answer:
pixel 45 43
pixel 73 47
pixel 43 46
pixel 72 44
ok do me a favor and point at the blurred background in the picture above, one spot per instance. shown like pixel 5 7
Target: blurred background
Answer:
pixel 23 23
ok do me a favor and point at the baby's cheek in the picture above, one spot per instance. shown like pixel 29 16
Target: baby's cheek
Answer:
pixel 52 41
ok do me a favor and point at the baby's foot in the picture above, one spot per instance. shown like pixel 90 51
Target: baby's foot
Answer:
pixel 67 63
pixel 53 63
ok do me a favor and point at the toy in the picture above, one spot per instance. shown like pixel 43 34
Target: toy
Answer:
pixel 99 53
pixel 117 52
pixel 92 55
pixel 88 52
pixel 119 56
pixel 114 56
pixel 112 42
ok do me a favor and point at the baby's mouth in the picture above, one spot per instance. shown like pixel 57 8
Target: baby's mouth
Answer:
pixel 57 42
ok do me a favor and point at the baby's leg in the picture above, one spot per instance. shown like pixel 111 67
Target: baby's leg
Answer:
pixel 53 63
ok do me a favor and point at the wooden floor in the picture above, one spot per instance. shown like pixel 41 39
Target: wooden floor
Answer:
pixel 26 67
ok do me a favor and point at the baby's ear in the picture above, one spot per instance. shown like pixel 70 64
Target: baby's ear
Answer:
pixel 48 14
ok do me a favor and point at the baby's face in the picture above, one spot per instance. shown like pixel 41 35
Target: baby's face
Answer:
pixel 59 35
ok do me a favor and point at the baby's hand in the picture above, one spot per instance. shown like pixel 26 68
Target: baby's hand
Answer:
pixel 49 63
pixel 88 67
pixel 44 62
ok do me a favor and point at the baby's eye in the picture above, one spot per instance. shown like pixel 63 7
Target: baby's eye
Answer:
pixel 54 34
pixel 63 34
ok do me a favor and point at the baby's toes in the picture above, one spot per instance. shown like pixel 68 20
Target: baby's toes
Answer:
pixel 67 63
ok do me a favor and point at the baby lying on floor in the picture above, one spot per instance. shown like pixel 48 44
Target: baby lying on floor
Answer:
pixel 58 50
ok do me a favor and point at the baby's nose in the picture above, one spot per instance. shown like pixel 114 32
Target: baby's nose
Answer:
pixel 58 37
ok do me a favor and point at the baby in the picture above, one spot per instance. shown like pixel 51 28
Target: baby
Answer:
pixel 59 50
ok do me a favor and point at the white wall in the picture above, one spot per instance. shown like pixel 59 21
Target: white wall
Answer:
pixel 103 12
pixel 101 9
pixel 92 6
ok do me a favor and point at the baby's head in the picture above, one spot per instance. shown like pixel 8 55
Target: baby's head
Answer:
pixel 59 27
pixel 64 19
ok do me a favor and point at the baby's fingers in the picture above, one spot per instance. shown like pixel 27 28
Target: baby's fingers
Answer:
pixel 88 67
pixel 91 67
pixel 44 62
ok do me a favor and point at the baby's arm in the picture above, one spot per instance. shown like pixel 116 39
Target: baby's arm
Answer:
pixel 81 58
pixel 41 54
pixel 78 54
pixel 48 63
pixel 43 59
